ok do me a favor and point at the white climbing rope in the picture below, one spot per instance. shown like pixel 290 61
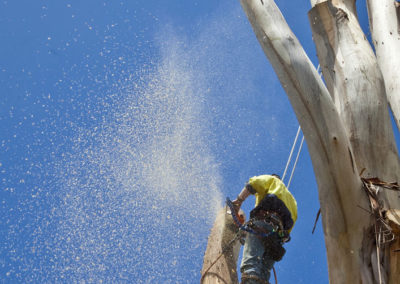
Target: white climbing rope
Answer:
pixel 295 162
pixel 298 151
pixel 290 157
pixel 291 153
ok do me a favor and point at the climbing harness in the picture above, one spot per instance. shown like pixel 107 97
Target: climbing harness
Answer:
pixel 246 226
pixel 242 227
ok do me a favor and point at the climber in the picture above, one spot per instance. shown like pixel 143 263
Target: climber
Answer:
pixel 275 211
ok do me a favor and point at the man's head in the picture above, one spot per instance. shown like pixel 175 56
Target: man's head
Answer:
pixel 277 176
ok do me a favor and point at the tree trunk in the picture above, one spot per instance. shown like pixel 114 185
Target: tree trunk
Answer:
pixel 220 258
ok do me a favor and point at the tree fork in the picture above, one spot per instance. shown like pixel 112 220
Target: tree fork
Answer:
pixel 356 84
pixel 328 136
pixel 337 175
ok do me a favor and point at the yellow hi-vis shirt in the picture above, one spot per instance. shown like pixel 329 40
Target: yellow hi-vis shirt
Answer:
pixel 266 184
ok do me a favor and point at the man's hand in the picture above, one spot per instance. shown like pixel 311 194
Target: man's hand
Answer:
pixel 236 207
pixel 237 203
pixel 240 198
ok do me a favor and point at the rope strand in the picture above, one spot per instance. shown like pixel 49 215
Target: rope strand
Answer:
pixel 291 153
pixel 293 146
pixel 295 162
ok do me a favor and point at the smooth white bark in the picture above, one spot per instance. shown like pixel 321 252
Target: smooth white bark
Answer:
pixel 385 30
pixel 355 82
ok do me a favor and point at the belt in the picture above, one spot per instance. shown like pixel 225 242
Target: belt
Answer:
pixel 270 217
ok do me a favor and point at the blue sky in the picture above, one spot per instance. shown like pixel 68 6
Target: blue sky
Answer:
pixel 123 127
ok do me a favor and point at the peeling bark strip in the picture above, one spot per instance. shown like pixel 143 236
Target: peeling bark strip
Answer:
pixel 383 239
pixel 383 184
pixel 316 220
pixel 372 187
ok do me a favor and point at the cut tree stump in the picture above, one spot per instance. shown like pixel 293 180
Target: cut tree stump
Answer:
pixel 223 245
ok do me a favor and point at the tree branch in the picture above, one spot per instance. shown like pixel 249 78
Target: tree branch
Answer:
pixel 385 30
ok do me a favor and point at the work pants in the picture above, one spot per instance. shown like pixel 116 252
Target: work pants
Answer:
pixel 255 261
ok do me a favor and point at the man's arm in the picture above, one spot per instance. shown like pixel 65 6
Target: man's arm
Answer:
pixel 246 191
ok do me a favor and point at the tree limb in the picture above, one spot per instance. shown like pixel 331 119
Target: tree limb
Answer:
pixel 385 30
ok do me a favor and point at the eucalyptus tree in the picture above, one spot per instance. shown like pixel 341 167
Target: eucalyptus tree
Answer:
pixel 345 118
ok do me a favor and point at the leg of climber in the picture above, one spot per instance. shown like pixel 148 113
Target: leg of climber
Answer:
pixel 256 265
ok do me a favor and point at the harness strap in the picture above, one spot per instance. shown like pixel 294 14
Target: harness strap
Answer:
pixel 275 224
pixel 245 227
pixel 271 218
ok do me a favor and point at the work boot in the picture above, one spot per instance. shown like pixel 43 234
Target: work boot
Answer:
pixel 252 279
